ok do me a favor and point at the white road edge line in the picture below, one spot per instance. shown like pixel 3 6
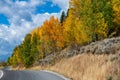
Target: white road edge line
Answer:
pixel 56 74
pixel 1 74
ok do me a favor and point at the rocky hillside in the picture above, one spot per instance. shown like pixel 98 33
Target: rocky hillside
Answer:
pixel 97 61
pixel 106 46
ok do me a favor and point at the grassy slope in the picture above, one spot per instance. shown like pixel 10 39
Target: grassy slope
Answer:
pixel 85 67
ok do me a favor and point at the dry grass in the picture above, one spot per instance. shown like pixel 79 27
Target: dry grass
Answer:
pixel 18 68
pixel 40 68
pixel 86 67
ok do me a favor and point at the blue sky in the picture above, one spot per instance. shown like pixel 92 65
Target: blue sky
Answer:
pixel 3 19
pixel 19 17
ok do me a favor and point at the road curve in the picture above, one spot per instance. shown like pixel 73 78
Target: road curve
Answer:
pixel 29 75
pixel 1 74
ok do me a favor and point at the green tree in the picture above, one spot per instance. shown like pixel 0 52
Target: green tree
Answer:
pixel 63 17
pixel 35 42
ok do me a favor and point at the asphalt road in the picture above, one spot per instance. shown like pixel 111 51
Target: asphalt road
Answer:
pixel 29 75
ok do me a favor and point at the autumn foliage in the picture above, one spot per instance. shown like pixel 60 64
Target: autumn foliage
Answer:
pixel 85 21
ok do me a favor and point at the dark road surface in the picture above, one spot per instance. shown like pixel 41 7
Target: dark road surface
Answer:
pixel 29 75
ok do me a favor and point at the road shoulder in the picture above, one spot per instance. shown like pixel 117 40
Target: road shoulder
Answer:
pixel 1 74
pixel 54 73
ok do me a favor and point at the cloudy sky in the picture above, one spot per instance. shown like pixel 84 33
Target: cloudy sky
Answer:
pixel 19 17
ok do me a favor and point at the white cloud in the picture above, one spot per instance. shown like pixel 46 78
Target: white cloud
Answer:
pixel 29 4
pixel 19 15
pixel 63 4
pixel 36 2
pixel 22 19
pixel 16 32
pixel 40 18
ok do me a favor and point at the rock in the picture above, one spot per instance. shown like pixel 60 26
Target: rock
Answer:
pixel 106 46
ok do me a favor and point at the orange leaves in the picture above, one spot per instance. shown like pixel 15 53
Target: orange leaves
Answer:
pixel 49 29
pixel 52 31
pixel 51 34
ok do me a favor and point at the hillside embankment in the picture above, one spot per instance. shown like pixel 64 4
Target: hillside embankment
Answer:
pixel 97 61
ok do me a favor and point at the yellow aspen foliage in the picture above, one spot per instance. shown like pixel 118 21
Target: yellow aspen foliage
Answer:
pixel 116 9
pixel 101 26
pixel 69 24
pixel 80 33
pixel 75 32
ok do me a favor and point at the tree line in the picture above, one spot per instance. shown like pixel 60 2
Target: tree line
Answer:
pixel 85 21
